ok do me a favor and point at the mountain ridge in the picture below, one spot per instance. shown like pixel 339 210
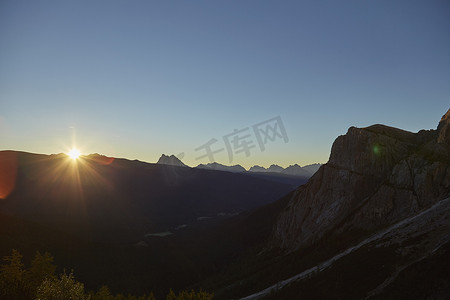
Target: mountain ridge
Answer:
pixel 220 167
pixel 97 190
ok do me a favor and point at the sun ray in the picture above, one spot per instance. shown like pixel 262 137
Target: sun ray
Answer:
pixel 74 153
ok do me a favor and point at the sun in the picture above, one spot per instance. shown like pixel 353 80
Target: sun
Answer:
pixel 74 153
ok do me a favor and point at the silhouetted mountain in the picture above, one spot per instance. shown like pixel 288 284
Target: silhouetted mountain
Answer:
pixel 294 170
pixel 257 168
pixel 295 173
pixel 121 199
pixel 293 177
pixel 104 216
pixel 170 160
pixel 274 168
pixel 220 167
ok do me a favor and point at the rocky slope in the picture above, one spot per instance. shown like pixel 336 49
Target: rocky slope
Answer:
pixel 380 266
pixel 375 176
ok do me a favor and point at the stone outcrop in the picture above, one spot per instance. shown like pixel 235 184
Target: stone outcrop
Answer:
pixel 444 129
pixel 375 176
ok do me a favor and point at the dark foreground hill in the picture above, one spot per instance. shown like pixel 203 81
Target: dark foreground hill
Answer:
pixel 372 223
pixel 134 226
pixel 121 200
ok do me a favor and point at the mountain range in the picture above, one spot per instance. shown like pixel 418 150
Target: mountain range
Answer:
pixel 371 223
pixel 294 170
pixel 99 195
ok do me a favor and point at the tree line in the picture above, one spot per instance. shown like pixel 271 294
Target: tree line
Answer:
pixel 40 282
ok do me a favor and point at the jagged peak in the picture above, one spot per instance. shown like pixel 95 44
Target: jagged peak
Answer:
pixel 170 160
pixel 274 168
pixel 294 166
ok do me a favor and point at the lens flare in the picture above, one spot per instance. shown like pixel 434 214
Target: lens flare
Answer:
pixel 8 172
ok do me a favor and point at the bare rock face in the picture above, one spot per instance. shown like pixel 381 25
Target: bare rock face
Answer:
pixel 375 176
pixel 444 129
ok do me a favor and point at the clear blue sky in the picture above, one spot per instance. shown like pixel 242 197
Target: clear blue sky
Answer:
pixel 136 79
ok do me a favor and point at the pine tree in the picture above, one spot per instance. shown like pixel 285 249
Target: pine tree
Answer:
pixel 42 268
pixel 192 295
pixel 64 288
pixel 11 275
pixel 171 295
pixel 103 293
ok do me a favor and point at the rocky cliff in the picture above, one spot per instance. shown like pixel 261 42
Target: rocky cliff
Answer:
pixel 375 176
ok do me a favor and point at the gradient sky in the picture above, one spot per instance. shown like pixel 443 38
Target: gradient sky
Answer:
pixel 135 79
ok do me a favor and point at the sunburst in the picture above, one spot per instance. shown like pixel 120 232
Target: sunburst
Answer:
pixel 74 153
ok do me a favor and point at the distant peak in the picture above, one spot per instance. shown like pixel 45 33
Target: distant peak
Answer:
pixel 257 168
pixel 294 169
pixel 297 170
pixel 220 167
pixel 294 166
pixel 171 160
pixel 275 168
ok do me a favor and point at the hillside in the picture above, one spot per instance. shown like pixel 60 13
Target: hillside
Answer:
pixel 364 224
pixel 122 200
